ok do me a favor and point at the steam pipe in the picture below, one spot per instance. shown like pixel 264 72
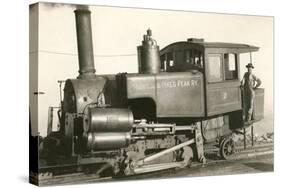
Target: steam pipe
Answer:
pixel 84 44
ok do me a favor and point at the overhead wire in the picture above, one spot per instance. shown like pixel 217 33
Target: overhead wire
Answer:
pixel 95 55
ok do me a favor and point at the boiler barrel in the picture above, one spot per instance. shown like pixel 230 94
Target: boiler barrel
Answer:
pixel 107 141
pixel 109 120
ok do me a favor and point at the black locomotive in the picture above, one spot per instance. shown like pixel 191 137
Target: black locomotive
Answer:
pixel 184 96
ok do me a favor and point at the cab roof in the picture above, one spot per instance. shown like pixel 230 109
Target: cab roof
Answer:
pixel 199 43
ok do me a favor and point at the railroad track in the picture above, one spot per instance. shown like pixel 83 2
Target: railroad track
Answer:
pixel 241 152
pixel 75 178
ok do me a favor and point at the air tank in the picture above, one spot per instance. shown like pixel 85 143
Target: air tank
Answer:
pixel 148 55
pixel 107 141
pixel 109 120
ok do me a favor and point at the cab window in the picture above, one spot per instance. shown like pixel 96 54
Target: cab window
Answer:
pixel 215 68
pixel 170 59
pixel 194 58
pixel 188 58
pixel 182 60
pixel 197 58
pixel 230 66
pixel 163 62
pixel 167 62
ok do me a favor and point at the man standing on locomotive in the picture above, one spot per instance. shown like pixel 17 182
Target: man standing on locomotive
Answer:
pixel 249 83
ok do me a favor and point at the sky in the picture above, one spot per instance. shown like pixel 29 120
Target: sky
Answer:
pixel 118 32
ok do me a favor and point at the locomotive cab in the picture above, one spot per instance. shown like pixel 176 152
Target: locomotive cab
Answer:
pixel 219 63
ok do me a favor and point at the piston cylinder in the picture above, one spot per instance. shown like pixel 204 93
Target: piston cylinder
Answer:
pixel 109 120
pixel 148 55
pixel 108 141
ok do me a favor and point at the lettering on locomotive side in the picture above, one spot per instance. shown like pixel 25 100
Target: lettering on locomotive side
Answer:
pixel 188 83
pixel 178 83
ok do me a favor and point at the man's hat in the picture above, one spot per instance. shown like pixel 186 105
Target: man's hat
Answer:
pixel 250 65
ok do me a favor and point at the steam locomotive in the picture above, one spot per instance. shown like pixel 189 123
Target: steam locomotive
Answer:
pixel 184 96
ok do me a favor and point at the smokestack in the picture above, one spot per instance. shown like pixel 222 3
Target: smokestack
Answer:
pixel 84 44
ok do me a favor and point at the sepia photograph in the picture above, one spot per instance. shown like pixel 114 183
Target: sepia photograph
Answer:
pixel 118 93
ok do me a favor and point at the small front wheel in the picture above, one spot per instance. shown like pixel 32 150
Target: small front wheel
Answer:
pixel 227 148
